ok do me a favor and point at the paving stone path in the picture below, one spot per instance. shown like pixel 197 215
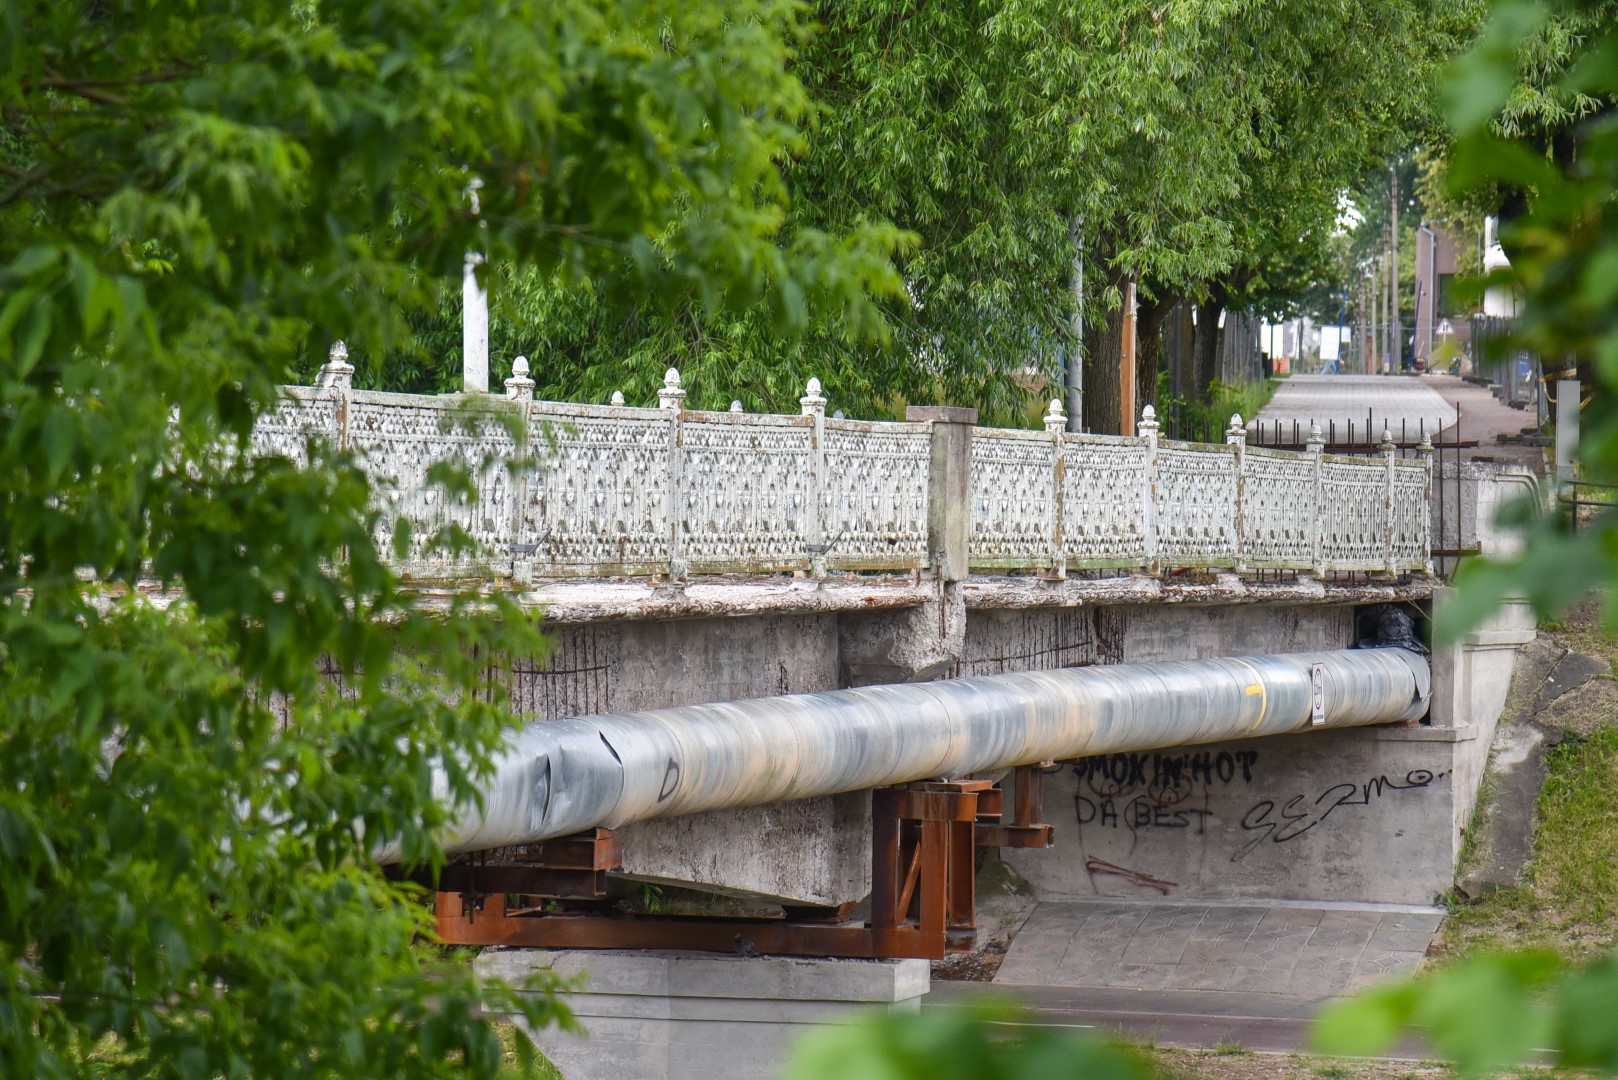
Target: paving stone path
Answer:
pixel 1303 951
pixel 1393 400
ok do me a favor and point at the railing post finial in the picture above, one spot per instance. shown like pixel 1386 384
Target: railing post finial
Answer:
pixel 336 373
pixel 1237 432
pixel 617 398
pixel 1056 417
pixel 671 396
pixel 736 406
pixel 520 387
pixel 1386 445
pixel 1316 443
pixel 813 401
pixel 1148 421
pixel 1425 447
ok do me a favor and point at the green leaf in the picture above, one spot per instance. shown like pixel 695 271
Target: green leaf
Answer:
pixel 35 332
pixel 1364 1025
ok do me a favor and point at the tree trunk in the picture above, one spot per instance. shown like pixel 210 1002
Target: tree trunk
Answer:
pixel 1177 338
pixel 1205 346
pixel 1103 372
pixel 1103 350
pixel 1150 316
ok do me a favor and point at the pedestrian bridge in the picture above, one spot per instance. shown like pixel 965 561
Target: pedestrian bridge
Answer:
pixel 687 560
pixel 578 491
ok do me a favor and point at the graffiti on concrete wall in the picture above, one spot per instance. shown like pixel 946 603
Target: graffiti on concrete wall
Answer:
pixel 1156 790
pixel 1099 868
pixel 1221 801
pixel 1279 823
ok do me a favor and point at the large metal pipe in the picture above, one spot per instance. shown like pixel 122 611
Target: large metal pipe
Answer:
pixel 564 776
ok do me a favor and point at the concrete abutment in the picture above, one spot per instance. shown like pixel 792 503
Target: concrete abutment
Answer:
pixel 676 1015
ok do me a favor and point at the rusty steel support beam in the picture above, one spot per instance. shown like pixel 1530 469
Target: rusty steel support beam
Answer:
pixel 566 868
pixel 1025 830
pixel 922 894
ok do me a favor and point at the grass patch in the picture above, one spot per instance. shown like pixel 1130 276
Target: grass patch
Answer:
pixel 1577 862
pixel 1569 898
pixel 511 1065
pixel 1209 419
pixel 1176 1064
pixel 1571 895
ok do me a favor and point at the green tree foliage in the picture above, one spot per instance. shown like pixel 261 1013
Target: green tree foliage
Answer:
pixel 194 201
pixel 1496 1010
pixel 1336 90
pixel 1565 263
pixel 1194 146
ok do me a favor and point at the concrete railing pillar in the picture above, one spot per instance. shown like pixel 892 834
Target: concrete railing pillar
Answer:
pixel 1567 428
pixel 520 387
pixel 672 399
pixel 1149 429
pixel 1055 427
pixel 1390 453
pixel 1316 445
pixel 1425 451
pixel 949 487
pixel 813 404
pixel 1236 439
pixel 337 375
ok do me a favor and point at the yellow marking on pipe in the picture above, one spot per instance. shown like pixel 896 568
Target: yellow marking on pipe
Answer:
pixel 1256 687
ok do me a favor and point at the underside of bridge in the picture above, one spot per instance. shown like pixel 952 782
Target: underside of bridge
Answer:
pixel 929 766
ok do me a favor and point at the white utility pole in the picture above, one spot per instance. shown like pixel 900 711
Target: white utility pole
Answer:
pixel 474 318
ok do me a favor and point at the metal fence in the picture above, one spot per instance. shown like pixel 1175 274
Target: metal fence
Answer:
pixel 569 490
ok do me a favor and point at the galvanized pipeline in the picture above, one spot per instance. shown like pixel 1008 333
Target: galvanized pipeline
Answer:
pixel 564 776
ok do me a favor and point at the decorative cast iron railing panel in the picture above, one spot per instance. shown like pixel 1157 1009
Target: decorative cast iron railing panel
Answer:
pixel 567 490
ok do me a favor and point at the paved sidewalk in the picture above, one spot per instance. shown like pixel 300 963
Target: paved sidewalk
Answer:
pixel 1305 952
pixel 1395 400
pixel 1483 417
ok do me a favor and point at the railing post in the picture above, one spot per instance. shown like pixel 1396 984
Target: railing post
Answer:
pixel 1317 447
pixel 672 399
pixel 949 487
pixel 520 389
pixel 813 404
pixel 1148 434
pixel 1389 453
pixel 338 374
pixel 1236 439
pixel 1056 425
pixel 1425 450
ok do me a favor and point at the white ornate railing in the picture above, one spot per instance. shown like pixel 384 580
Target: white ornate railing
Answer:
pixel 565 490
pixel 1058 501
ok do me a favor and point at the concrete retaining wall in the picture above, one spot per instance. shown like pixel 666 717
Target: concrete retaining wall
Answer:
pixel 697 1016
pixel 1358 815
pixel 1372 815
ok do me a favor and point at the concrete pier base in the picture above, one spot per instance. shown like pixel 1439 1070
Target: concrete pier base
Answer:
pixel 701 1016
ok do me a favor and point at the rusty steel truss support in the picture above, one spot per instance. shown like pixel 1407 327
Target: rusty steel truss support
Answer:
pixel 923 904
pixel 1024 830
pixel 568 868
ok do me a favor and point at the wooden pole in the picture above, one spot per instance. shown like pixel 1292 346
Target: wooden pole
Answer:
pixel 1126 395
pixel 1396 335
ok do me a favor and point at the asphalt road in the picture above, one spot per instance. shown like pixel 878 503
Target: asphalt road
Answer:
pixel 1265 1023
